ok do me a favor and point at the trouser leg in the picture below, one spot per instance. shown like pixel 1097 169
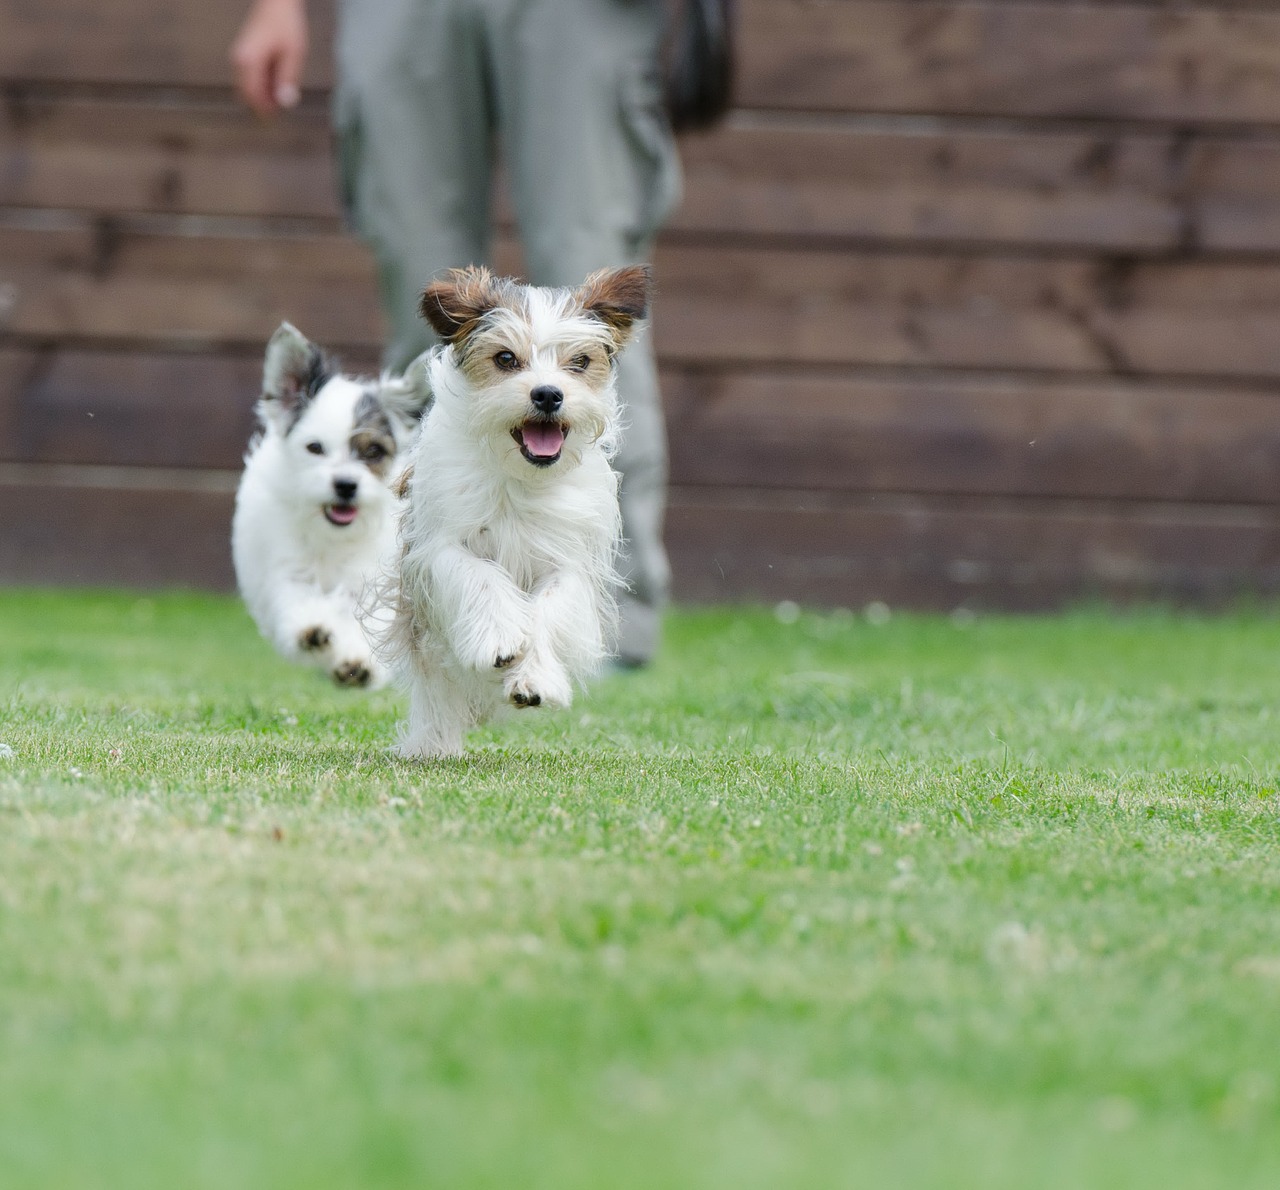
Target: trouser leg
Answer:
pixel 642 463
pixel 574 86
pixel 415 144
pixel 594 173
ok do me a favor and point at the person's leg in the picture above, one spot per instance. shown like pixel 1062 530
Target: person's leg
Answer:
pixel 642 463
pixel 594 173
pixel 415 144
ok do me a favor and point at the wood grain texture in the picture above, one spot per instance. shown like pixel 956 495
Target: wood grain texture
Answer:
pixel 733 544
pixel 1185 62
pixel 103 283
pixel 800 177
pixel 843 432
pixel 179 154
pixel 972 301
pixel 941 553
pixel 987 435
pixel 156 42
pixel 1205 62
pixel 718 306
pixel 915 182
pixel 1125 316
pixel 82 534
pixel 130 409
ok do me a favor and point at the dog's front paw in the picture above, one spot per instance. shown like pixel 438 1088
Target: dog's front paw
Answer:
pixel 352 673
pixel 494 649
pixel 545 686
pixel 314 638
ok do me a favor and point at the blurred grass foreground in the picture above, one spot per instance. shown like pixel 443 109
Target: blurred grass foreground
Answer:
pixel 824 902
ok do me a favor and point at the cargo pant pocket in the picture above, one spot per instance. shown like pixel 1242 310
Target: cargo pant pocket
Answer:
pixel 655 158
pixel 348 153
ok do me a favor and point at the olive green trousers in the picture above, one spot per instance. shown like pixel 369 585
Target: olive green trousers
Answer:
pixel 567 93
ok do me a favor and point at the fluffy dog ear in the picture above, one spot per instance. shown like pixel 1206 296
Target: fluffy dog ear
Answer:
pixel 408 396
pixel 456 303
pixel 295 370
pixel 619 298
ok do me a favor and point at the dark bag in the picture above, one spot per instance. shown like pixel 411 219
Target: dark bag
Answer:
pixel 699 62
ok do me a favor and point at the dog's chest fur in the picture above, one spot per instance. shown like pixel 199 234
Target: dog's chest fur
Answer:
pixel 531 533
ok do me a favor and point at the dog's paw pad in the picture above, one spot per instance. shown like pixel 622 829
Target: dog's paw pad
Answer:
pixel 314 638
pixel 352 673
pixel 526 698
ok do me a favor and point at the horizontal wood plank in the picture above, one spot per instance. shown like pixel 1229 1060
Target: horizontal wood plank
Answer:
pixel 726 306
pixel 934 182
pixel 940 553
pixel 1185 62
pixel 93 535
pixel 739 544
pixel 102 283
pixel 138 42
pixel 181 155
pixel 792 178
pixel 908 182
pixel 132 409
pixel 976 436
pixel 834 433
pixel 911 184
pixel 990 312
pixel 129 409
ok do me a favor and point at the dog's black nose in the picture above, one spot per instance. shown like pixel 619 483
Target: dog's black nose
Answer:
pixel 546 398
pixel 345 488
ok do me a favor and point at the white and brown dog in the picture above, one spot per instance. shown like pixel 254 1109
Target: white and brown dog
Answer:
pixel 509 541
pixel 315 517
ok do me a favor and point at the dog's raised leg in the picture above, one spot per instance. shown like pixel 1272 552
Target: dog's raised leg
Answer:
pixel 564 637
pixel 322 630
pixel 302 623
pixel 352 662
pixel 487 617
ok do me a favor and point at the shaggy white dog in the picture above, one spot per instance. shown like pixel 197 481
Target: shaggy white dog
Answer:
pixel 506 580
pixel 315 516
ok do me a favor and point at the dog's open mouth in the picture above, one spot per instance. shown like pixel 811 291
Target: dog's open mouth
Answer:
pixel 541 441
pixel 340 513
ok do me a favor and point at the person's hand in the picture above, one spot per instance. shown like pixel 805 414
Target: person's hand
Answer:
pixel 269 53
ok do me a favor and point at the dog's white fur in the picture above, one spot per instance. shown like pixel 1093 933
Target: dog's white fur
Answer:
pixel 326 453
pixel 506 580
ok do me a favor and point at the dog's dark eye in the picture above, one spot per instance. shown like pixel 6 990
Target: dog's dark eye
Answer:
pixel 579 363
pixel 373 452
pixel 507 361
pixel 316 448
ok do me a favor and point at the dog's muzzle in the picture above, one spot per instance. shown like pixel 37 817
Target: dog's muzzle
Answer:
pixel 343 510
pixel 340 513
pixel 541 441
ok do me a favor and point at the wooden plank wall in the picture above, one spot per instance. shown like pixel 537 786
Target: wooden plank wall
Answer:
pixel 969 302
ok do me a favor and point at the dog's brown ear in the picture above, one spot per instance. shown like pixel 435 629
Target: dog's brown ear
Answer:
pixel 456 303
pixel 618 297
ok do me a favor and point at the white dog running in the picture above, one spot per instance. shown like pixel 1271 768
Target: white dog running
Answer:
pixel 315 517
pixel 507 576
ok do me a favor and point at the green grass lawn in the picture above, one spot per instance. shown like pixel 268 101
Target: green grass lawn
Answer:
pixel 819 904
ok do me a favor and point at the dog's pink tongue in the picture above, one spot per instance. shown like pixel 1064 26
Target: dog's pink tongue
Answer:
pixel 542 439
pixel 341 515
